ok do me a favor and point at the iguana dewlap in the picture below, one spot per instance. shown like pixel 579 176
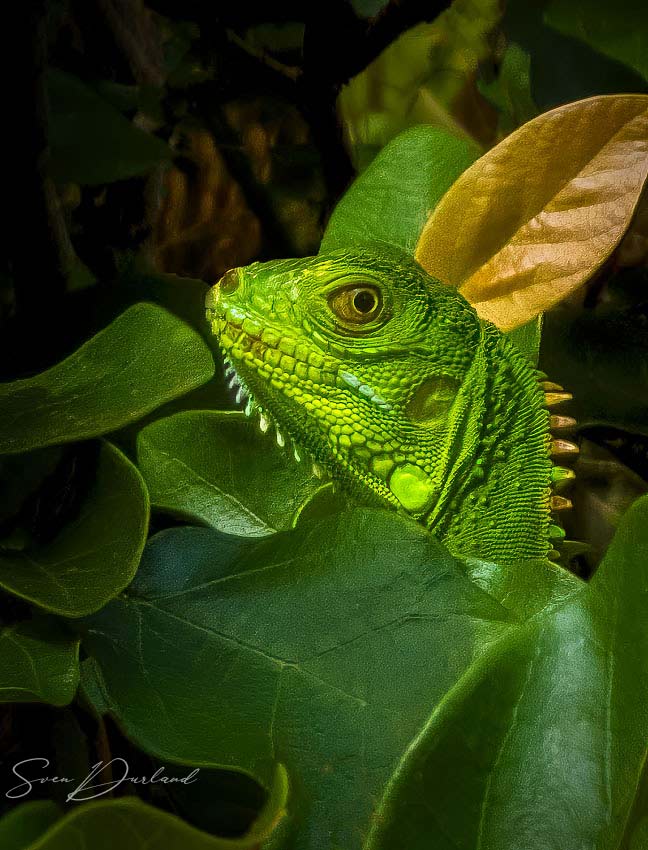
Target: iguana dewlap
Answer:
pixel 389 380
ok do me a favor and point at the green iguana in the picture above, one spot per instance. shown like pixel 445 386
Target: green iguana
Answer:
pixel 389 381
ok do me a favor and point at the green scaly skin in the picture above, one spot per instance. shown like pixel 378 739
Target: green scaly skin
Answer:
pixel 420 403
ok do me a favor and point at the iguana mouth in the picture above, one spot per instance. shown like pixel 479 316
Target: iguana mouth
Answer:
pixel 272 355
pixel 260 360
pixel 257 357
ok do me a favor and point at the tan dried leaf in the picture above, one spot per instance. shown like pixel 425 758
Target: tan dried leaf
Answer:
pixel 538 214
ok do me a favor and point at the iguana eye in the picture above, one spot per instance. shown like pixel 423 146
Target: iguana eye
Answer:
pixel 356 304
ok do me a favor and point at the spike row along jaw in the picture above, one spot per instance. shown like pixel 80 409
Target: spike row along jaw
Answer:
pixel 252 409
pixel 562 450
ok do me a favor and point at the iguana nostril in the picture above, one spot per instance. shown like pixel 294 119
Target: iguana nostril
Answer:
pixel 229 282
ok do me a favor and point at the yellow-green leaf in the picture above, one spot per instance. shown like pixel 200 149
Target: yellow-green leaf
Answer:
pixel 419 77
pixel 21 826
pixel 538 214
pixel 130 824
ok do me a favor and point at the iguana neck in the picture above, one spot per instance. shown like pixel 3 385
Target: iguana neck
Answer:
pixel 498 487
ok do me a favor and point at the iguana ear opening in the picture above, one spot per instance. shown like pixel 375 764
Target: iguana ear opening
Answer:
pixel 432 400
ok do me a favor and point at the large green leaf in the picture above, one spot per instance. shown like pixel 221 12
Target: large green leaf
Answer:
pixel 91 142
pixel 129 824
pixel 324 648
pixel 184 297
pixel 524 587
pixel 141 360
pixel 543 744
pixel 94 556
pixel 392 199
pixel 618 30
pixel 217 468
pixel 23 825
pixel 38 663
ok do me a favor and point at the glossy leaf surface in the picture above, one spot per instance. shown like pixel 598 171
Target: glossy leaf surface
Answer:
pixel 391 200
pixel 142 359
pixel 543 743
pixel 310 649
pixel 324 648
pixel 130 824
pixel 38 663
pixel 95 555
pixel 217 468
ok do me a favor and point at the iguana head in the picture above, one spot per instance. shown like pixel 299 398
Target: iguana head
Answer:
pixel 352 355
pixel 383 375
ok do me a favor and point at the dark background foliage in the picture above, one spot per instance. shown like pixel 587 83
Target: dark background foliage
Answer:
pixel 150 147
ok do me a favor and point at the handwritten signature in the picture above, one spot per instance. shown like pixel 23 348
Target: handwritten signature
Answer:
pixel 88 789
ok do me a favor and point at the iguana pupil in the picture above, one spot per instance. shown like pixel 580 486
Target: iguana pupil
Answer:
pixel 356 305
pixel 396 388
pixel 365 301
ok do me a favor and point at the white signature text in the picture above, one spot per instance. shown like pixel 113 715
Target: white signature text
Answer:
pixel 115 772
